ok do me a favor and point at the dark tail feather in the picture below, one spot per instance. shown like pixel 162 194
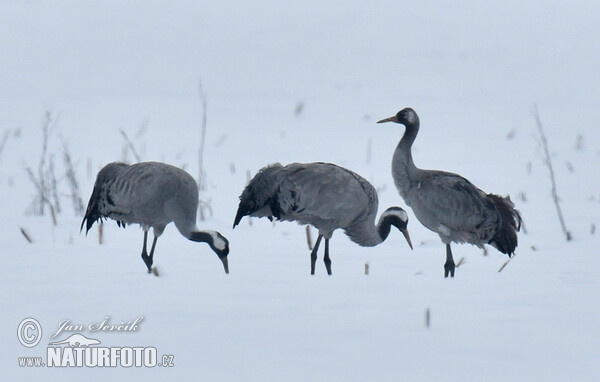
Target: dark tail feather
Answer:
pixel 90 217
pixel 242 211
pixel 91 214
pixel 505 239
pixel 248 206
pixel 260 192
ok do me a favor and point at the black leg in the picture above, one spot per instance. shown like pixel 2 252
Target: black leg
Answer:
pixel 326 258
pixel 313 254
pixel 147 259
pixel 152 250
pixel 449 266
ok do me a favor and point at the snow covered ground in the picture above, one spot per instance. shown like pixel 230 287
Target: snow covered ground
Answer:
pixel 472 71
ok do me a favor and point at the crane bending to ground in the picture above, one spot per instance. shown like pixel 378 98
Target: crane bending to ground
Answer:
pixel 325 196
pixel 151 194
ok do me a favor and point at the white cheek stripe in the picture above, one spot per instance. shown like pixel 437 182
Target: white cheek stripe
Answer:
pixel 401 214
pixel 218 242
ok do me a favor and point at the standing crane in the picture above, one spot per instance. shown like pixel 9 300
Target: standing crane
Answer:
pixel 325 196
pixel 449 204
pixel 151 194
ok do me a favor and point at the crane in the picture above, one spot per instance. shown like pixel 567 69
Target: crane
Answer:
pixel 448 204
pixel 151 194
pixel 325 196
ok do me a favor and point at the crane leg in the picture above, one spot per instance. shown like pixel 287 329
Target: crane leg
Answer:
pixel 152 253
pixel 326 258
pixel 147 259
pixel 449 266
pixel 313 254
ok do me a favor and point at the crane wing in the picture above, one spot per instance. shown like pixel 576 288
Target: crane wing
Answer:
pixel 454 202
pixel 328 191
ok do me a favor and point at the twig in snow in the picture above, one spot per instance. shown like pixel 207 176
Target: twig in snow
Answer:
pixel 45 182
pixel 299 109
pixel 523 196
pixel 506 263
pixel 579 143
pixel 204 209
pixel 523 227
pixel 100 232
pixel 367 268
pixel 42 197
pixel 550 168
pixel 201 172
pixel 221 140
pixel 72 178
pixel 143 128
pixel 460 262
pixel 427 318
pixel 511 134
pixel 27 237
pixel 130 146
pixel 570 166
pixel 53 186
pixel 4 140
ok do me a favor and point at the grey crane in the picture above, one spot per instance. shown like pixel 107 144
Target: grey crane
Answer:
pixel 449 204
pixel 324 195
pixel 151 194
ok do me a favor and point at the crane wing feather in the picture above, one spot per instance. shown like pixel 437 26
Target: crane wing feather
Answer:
pixel 328 191
pixel 453 201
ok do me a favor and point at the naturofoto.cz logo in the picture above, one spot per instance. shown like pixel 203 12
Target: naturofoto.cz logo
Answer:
pixel 79 350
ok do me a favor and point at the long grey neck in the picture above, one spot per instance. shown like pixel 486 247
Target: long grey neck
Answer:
pixel 403 167
pixel 367 234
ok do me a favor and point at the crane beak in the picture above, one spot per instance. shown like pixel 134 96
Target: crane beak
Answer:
pixel 390 119
pixel 407 237
pixel 225 263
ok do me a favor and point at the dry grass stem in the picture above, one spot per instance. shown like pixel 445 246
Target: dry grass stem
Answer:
pixel 26 235
pixel 548 162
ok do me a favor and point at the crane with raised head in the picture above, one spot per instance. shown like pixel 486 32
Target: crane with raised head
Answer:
pixel 449 204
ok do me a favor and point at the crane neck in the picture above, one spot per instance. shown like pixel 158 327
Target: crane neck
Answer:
pixel 383 229
pixel 410 134
pixel 403 167
pixel 367 234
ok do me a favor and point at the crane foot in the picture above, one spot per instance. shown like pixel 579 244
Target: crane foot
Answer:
pixel 449 269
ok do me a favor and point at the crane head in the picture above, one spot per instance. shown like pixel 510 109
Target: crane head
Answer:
pixel 220 245
pixel 217 242
pixel 397 217
pixel 406 116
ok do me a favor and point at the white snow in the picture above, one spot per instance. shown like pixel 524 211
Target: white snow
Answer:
pixel 472 72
